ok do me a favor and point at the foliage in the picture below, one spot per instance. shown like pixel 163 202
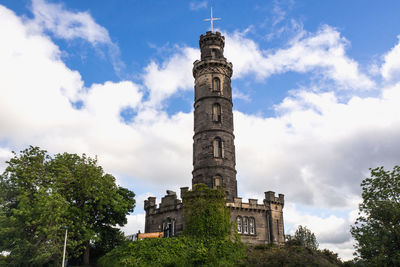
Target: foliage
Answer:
pixel 377 229
pixel 303 237
pixel 40 193
pixel 290 255
pixel 178 251
pixel 206 240
pixel 206 215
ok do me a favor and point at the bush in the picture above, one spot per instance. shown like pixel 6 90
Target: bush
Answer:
pixel 179 251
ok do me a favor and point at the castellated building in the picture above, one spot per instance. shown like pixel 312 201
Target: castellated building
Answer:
pixel 214 156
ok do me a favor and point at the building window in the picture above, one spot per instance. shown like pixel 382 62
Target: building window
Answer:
pixel 214 53
pixel 218 148
pixel 245 225
pixel 217 181
pixel 216 84
pixel 216 112
pixel 239 224
pixel 252 226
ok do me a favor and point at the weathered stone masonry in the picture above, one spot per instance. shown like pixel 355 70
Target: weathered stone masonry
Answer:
pixel 214 157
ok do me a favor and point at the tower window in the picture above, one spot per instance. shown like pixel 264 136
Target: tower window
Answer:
pixel 214 53
pixel 252 226
pixel 218 146
pixel 216 84
pixel 245 225
pixel 239 224
pixel 217 181
pixel 216 112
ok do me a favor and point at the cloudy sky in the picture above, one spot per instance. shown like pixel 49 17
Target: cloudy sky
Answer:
pixel 316 95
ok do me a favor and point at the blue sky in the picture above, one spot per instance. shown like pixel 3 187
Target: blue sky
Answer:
pixel 315 84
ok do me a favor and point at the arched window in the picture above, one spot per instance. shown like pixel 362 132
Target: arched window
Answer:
pixel 245 225
pixel 214 53
pixel 216 112
pixel 217 181
pixel 252 226
pixel 216 84
pixel 239 224
pixel 218 146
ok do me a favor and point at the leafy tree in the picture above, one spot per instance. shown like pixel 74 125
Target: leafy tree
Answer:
pixel 303 237
pixel 377 229
pixel 31 211
pixel 39 193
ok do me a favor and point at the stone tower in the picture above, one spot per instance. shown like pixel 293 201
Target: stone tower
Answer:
pixel 214 157
pixel 213 140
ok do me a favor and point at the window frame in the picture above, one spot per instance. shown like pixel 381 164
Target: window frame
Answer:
pixel 216 84
pixel 239 224
pixel 218 147
pixel 216 112
pixel 245 225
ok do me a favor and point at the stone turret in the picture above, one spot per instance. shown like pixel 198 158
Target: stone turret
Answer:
pixel 213 140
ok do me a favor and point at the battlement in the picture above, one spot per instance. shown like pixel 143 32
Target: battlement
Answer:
pixel 271 198
pixel 212 39
pixel 253 203
pixel 169 202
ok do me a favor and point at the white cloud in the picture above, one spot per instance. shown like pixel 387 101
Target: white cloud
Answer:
pixel 391 66
pixel 36 109
pixel 196 5
pixel 134 225
pixel 332 232
pixel 174 74
pixel 68 25
pixel 322 52
pixel 317 150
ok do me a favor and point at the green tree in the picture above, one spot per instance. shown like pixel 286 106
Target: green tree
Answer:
pixel 31 212
pixel 377 229
pixel 303 237
pixel 39 193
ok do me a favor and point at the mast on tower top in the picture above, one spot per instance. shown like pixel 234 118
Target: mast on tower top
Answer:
pixel 211 19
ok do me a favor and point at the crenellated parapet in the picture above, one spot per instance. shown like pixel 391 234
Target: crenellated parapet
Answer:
pixel 168 203
pixel 212 45
pixel 270 198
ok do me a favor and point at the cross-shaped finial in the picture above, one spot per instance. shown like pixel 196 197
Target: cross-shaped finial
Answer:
pixel 211 20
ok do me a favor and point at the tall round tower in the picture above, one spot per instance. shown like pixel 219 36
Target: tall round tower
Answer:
pixel 213 140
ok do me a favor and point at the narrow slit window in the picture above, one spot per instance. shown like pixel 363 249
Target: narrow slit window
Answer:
pixel 218 148
pixel 216 84
pixel 216 112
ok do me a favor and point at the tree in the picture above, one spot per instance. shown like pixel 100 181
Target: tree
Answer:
pixel 31 212
pixel 377 229
pixel 303 237
pixel 39 193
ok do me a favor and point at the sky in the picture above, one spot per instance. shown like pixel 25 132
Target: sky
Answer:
pixel 316 91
